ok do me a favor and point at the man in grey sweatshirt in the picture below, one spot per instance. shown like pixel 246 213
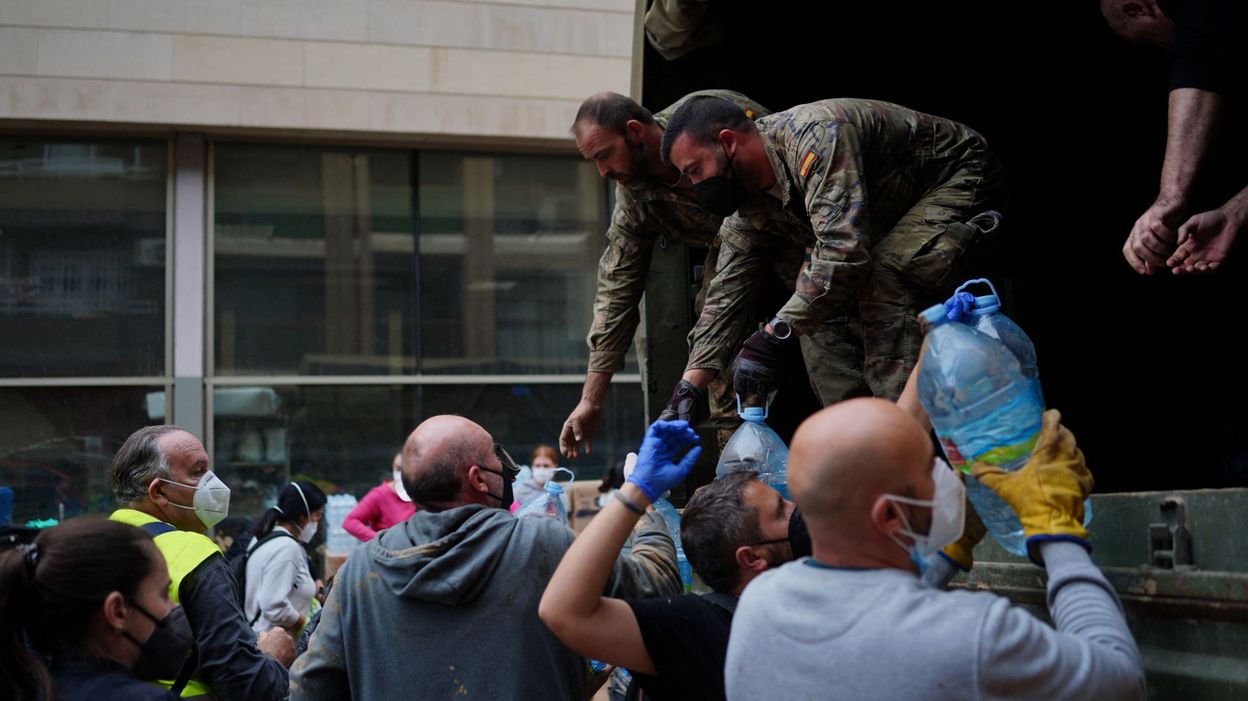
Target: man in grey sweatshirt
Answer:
pixel 854 622
pixel 444 605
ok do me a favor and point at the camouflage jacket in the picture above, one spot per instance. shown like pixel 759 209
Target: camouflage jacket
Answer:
pixel 831 158
pixel 644 214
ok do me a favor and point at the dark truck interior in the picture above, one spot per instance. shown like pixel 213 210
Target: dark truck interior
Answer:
pixel 1149 372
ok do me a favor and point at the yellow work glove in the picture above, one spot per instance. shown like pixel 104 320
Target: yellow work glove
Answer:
pixel 959 551
pixel 1048 492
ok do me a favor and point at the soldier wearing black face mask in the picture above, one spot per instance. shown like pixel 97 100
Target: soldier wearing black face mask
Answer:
pixel 889 205
pixel 92 596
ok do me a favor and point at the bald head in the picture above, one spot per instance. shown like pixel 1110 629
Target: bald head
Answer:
pixel 436 458
pixel 845 456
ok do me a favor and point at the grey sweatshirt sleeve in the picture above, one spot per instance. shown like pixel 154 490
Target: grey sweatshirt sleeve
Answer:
pixel 649 570
pixel 321 672
pixel 1090 655
pixel 229 661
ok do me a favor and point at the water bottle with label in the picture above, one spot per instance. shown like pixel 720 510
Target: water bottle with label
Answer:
pixel 982 408
pixel 671 517
pixel 549 503
pixel 755 447
pixel 984 313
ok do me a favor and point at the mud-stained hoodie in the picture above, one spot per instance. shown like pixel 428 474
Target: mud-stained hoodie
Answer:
pixel 444 606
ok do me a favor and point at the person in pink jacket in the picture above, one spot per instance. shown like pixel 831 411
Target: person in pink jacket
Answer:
pixel 383 506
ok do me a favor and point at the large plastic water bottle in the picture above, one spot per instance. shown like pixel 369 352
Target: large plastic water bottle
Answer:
pixel 986 316
pixel 549 503
pixel 982 409
pixel 755 447
pixel 671 517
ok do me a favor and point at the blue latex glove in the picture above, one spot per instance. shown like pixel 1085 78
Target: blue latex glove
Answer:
pixel 656 470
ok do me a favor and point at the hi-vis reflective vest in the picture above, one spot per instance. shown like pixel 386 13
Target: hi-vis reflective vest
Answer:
pixel 183 551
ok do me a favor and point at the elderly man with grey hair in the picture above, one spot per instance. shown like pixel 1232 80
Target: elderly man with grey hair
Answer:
pixel 445 603
pixel 162 480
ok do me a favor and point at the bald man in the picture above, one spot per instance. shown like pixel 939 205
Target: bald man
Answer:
pixel 854 622
pixel 445 603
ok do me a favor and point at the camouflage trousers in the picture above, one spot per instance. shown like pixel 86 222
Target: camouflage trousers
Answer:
pixel 935 245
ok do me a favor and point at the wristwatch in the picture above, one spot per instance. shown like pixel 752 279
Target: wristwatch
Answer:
pixel 780 329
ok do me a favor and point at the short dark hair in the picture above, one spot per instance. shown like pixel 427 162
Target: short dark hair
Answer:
pixel 611 111
pixel 716 522
pixel 702 116
pixel 139 460
pixel 290 506
pixel 439 477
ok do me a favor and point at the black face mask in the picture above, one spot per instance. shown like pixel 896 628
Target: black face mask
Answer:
pixel 723 194
pixel 508 473
pixel 799 536
pixel 165 651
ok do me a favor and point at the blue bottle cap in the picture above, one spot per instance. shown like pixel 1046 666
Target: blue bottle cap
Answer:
pixel 754 413
pixel 987 304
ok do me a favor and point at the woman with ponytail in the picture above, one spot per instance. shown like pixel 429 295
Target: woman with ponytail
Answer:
pixel 279 584
pixel 85 614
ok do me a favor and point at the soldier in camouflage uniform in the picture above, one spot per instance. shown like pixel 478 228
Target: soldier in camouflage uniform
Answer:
pixel 653 204
pixel 886 200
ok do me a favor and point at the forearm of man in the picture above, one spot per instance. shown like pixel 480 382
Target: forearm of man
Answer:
pixel 1193 117
pixel 573 606
pixel 1084 605
pixel 725 320
pixel 622 272
pixel 229 661
pixel 320 673
pixel 595 388
pixel 1091 654
pixel 649 569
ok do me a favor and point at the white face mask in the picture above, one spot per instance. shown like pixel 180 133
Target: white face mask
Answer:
pixel 948 505
pixel 307 532
pixel 398 486
pixel 543 474
pixel 211 502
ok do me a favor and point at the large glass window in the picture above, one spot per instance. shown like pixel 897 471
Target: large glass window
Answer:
pixel 314 264
pixel 508 253
pixel 57 443
pixel 82 258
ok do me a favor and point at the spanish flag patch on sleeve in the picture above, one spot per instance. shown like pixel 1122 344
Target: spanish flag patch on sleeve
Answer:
pixel 807 162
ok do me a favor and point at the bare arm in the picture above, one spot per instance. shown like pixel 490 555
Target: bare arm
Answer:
pixel 573 606
pixel 1193 117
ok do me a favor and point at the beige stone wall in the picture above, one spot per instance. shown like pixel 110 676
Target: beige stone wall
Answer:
pixel 496 69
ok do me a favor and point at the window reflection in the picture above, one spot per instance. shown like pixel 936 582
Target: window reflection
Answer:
pixel 314 261
pixel 82 258
pixel 57 444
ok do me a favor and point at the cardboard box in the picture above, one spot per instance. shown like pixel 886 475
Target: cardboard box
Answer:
pixel 582 502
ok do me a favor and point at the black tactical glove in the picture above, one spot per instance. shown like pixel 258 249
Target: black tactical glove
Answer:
pixel 685 403
pixel 758 366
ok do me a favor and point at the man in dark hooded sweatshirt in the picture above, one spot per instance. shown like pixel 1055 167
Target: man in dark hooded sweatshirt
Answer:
pixel 445 604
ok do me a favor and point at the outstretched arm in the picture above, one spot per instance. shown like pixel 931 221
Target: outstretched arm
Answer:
pixel 573 605
pixel 1193 118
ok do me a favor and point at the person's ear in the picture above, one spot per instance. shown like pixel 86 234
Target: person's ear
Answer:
pixel 1136 10
pixel 476 480
pixel 635 131
pixel 114 611
pixel 886 516
pixel 727 139
pixel 749 560
pixel 154 493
